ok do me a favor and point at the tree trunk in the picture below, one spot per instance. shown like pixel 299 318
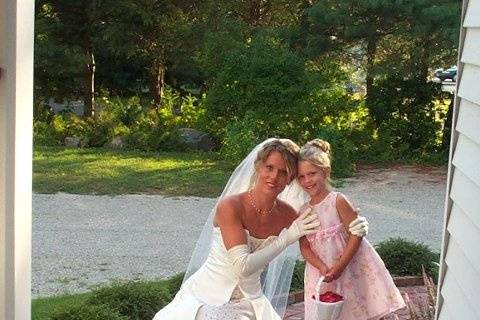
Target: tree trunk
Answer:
pixel 371 51
pixel 158 82
pixel 425 47
pixel 89 96
pixel 447 125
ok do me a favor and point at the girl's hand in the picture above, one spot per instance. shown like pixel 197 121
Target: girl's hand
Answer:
pixel 323 269
pixel 333 274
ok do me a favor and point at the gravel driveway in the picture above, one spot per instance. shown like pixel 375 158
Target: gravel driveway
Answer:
pixel 80 240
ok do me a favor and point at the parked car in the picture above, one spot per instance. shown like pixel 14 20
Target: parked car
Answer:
pixel 450 73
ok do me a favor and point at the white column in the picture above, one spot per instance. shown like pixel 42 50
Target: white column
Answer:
pixel 16 108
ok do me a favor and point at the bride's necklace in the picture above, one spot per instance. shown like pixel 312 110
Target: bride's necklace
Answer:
pixel 259 211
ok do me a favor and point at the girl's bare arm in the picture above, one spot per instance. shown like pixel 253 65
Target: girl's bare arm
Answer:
pixel 347 214
pixel 311 257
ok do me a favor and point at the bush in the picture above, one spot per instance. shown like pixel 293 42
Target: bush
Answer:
pixel 146 129
pixel 405 258
pixel 87 312
pixel 120 110
pixel 174 283
pixel 44 134
pixel 298 276
pixel 404 113
pixel 261 76
pixel 150 133
pixel 241 136
pixel 135 300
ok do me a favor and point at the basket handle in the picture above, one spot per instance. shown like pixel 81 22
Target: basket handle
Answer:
pixel 318 286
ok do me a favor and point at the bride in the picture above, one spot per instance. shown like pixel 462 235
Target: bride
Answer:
pixel 251 227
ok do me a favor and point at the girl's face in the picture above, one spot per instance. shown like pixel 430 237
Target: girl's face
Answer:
pixel 272 174
pixel 312 178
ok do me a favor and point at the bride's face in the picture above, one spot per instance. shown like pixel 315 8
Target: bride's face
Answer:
pixel 272 174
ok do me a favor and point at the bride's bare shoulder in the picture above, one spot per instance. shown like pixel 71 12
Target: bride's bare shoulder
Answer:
pixel 287 211
pixel 229 208
pixel 235 200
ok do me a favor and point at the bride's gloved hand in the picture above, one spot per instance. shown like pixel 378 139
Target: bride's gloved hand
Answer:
pixel 358 227
pixel 246 263
pixel 305 224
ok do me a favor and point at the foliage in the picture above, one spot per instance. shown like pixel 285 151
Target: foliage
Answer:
pixel 174 283
pixel 119 301
pixel 86 312
pixel 142 128
pixel 297 277
pixel 134 300
pixel 44 134
pixel 405 111
pixel 396 45
pixel 279 67
pixel 403 257
pixel 266 90
pixel 150 31
pixel 241 136
pixel 52 81
pixel 262 76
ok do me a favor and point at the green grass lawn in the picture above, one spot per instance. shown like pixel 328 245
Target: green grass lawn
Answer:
pixel 103 171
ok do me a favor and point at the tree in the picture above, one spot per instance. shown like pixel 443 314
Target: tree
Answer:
pixel 158 32
pixel 58 72
pixel 353 26
pixel 77 24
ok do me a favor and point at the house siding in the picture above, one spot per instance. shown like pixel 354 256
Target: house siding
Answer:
pixel 458 294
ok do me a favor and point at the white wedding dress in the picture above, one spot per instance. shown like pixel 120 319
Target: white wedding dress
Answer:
pixel 214 292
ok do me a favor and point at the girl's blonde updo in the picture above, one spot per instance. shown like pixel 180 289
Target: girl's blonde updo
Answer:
pixel 288 150
pixel 318 152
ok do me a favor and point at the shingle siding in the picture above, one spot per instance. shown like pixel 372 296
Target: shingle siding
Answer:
pixel 459 294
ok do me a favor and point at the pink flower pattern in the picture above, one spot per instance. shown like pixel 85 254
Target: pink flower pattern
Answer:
pixel 365 283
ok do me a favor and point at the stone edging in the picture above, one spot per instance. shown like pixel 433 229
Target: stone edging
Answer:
pixel 405 281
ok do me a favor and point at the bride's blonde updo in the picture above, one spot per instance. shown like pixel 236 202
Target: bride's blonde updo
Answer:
pixel 318 153
pixel 287 149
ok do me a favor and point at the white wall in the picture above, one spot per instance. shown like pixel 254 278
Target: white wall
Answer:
pixel 16 92
pixel 459 282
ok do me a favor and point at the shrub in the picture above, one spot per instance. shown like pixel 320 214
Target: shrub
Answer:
pixel 147 129
pixel 120 110
pixel 297 277
pixel 174 283
pixel 136 300
pixel 262 76
pixel 404 112
pixel 44 134
pixel 86 312
pixel 241 136
pixel 150 133
pixel 403 257
pixel 59 125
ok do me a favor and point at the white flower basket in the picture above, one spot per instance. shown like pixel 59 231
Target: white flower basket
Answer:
pixel 326 310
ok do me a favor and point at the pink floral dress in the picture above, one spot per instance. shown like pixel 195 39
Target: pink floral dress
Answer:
pixel 365 283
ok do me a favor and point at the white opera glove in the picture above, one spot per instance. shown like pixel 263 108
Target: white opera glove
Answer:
pixel 305 224
pixel 246 263
pixel 358 227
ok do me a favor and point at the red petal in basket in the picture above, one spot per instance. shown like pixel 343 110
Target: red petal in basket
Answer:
pixel 330 297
